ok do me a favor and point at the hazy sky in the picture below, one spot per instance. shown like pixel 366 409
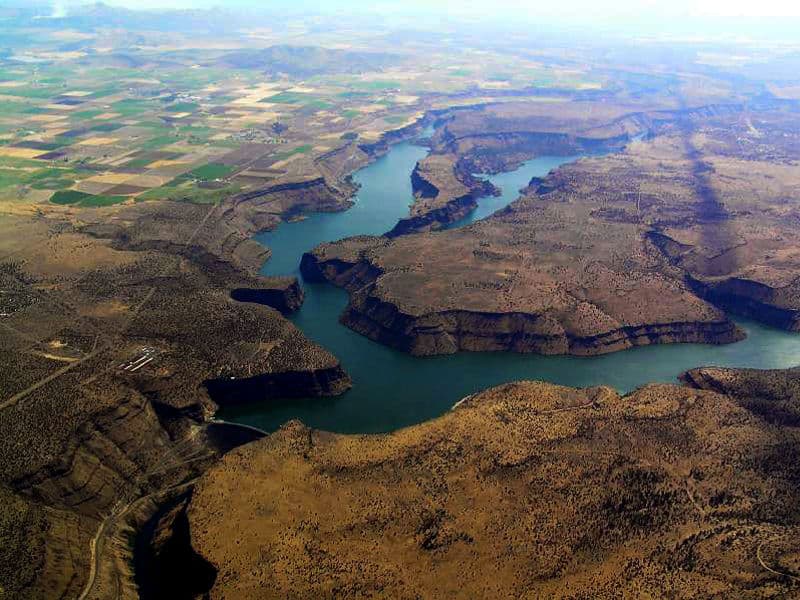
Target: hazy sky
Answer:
pixel 528 8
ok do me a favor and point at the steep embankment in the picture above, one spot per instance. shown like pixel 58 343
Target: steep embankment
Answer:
pixel 443 194
pixel 103 404
pixel 775 306
pixel 550 309
pixel 556 492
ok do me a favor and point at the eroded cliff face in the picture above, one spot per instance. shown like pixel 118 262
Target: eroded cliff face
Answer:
pixel 106 350
pixel 444 192
pixel 527 489
pixel 776 306
pixel 284 294
pixel 508 296
pixel 94 450
pixel 264 208
pixel 648 245
pixel 458 331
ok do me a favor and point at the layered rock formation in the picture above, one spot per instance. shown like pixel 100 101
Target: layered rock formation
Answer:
pixel 284 294
pixel 643 246
pixel 541 285
pixel 108 341
pixel 443 194
pixel 526 490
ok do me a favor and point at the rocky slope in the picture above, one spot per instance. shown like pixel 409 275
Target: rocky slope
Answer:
pixel 284 294
pixel 526 490
pixel 109 340
pixel 443 194
pixel 518 290
pixel 648 245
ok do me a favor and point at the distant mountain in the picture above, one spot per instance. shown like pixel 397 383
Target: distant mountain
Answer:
pixel 100 15
pixel 305 61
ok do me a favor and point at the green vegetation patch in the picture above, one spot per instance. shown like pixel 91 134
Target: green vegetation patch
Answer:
pixel 305 149
pixel 183 107
pixel 189 193
pixel 376 85
pixel 87 114
pixel 211 171
pixel 351 95
pixel 197 134
pixel 350 114
pixel 52 179
pixel 32 92
pixel 11 177
pixel 52 184
pixel 395 120
pixel 12 162
pixel 297 98
pixel 158 142
pixel 68 197
pixel 9 107
pixel 100 201
pixel 130 107
pixel 103 92
pixel 43 179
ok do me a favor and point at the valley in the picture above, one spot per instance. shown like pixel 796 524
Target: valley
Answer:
pixel 300 306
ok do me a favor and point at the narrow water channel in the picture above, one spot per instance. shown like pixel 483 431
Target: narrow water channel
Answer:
pixel 392 389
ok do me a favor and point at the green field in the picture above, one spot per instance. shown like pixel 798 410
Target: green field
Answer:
pixel 210 172
pixel 69 197
pixel 305 149
pixel 307 100
pixel 183 107
pixel 189 193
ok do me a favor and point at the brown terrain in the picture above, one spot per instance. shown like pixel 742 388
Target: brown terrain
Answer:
pixel 125 327
pixel 443 194
pixel 647 245
pixel 118 330
pixel 527 490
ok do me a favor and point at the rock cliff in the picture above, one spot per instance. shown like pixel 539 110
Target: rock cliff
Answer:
pixel 556 492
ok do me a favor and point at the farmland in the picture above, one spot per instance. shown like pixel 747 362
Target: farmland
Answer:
pixel 92 123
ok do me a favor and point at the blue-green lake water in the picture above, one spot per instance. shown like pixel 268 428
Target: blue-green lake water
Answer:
pixel 392 389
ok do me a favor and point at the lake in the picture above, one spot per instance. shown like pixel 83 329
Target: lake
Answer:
pixel 392 389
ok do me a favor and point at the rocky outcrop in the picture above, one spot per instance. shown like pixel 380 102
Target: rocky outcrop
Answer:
pixel 284 294
pixel 458 331
pixel 263 208
pixel 557 492
pixel 394 136
pixel 776 307
pixel 386 309
pixel 328 381
pixel 444 194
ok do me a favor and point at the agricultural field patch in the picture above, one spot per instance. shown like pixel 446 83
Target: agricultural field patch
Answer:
pixel 211 171
pixel 74 197
pixel 172 122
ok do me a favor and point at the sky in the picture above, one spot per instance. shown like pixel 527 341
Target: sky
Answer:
pixel 561 9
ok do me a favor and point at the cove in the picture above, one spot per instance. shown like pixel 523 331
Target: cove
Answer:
pixel 392 389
